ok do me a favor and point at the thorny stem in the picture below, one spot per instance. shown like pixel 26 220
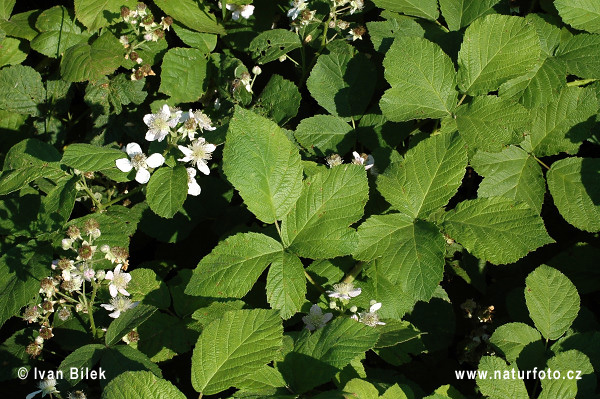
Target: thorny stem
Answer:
pixel 122 197
pixel 90 309
pixel 351 276
pixel 97 204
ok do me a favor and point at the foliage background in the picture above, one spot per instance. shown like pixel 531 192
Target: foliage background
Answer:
pixel 482 119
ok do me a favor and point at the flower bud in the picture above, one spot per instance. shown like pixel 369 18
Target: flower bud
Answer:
pixel 66 243
pixel 256 70
pixel 353 309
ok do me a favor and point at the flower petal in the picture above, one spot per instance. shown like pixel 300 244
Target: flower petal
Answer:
pixel 191 172
pixel 194 188
pixel 124 165
pixel 132 149
pixel 109 275
pixel 202 167
pixel 107 307
pixel 115 314
pixel 142 176
pixel 186 151
pixel 147 119
pixel 113 290
pixel 32 394
pixel 355 292
pixel 375 307
pixel 124 292
pixel 315 309
pixel 209 147
pixel 327 317
pixel 155 160
pixel 150 136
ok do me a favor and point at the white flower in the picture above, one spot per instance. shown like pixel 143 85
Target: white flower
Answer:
pixel 297 7
pixel 315 319
pixel 356 5
pixel 344 291
pixel 370 318
pixel 193 187
pixel 363 159
pixel 238 11
pixel 198 153
pixel 118 305
pixel 119 281
pixel 88 274
pixel 46 387
pixel 140 162
pixel 161 123
pixel 193 120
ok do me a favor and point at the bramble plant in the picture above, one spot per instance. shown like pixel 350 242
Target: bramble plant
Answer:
pixel 300 199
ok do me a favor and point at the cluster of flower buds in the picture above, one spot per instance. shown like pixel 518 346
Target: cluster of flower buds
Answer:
pixel 181 128
pixel 145 29
pixel 363 159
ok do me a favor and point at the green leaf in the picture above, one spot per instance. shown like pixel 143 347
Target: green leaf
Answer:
pixel 286 285
pixel 573 183
pixel 280 99
pixel 427 178
pixel 91 62
pixel 548 32
pixel 396 332
pixel 233 267
pixel 343 84
pixel 82 357
pixel 124 358
pixel 512 338
pixel 487 59
pixel 184 74
pixel 512 173
pixel 383 33
pixel 58 32
pixel 499 388
pixel 261 162
pixel 427 9
pixel 460 13
pixel 145 286
pixel 167 190
pixel 317 226
pixel 193 14
pixel 552 300
pixel 537 87
pixel 580 14
pixel 570 363
pixel 582 55
pixel 361 389
pixel 57 206
pixel 559 126
pixel 141 385
pixel 318 356
pixel 21 269
pixel 126 322
pixel 124 91
pixel 264 378
pixel 324 134
pixel 12 51
pixel 496 229
pixel 163 336
pixel 98 14
pixel 240 343
pixel 15 179
pixel 91 158
pixel 272 44
pixel 21 25
pixel 6 7
pixel 490 123
pixel 22 89
pixel 205 42
pixel 410 253
pixel 578 263
pixel 423 81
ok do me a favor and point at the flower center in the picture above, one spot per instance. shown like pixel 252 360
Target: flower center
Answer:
pixel 370 319
pixel 158 123
pixel 138 161
pixel 119 280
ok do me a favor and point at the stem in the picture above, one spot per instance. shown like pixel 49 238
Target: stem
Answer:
pixel 540 162
pixel 90 307
pixel 461 100
pixel 353 124
pixel 581 82
pixel 122 197
pixel 351 276
pixel 89 192
pixel 442 26
pixel 313 282
pixel 278 229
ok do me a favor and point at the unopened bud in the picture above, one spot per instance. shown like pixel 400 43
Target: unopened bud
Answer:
pixel 256 70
